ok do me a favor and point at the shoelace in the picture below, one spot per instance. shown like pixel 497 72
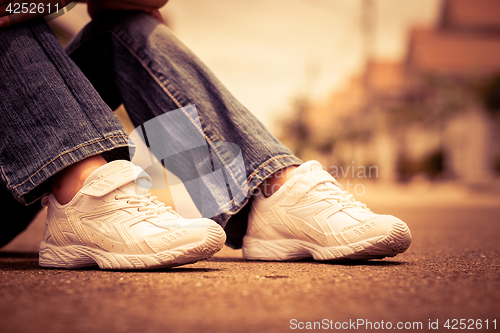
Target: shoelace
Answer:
pixel 148 204
pixel 343 198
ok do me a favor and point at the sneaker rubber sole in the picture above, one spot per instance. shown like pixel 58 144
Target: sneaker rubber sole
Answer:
pixel 79 256
pixel 396 241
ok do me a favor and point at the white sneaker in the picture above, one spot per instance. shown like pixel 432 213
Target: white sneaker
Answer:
pixel 310 216
pixel 115 223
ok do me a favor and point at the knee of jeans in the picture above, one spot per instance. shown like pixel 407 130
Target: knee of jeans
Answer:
pixel 137 25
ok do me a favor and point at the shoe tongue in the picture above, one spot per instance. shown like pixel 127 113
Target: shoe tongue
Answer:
pixel 140 186
pixel 316 166
pixel 96 173
pixel 307 167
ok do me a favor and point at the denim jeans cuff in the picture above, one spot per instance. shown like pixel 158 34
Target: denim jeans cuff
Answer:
pixel 112 147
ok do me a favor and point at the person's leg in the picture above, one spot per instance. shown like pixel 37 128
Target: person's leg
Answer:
pixel 67 182
pixel 149 70
pixel 55 132
pixel 46 114
pixel 152 73
pixel 65 185
pixel 50 117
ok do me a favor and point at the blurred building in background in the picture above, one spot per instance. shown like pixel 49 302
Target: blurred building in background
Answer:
pixel 434 114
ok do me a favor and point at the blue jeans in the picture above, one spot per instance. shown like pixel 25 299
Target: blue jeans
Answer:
pixel 56 111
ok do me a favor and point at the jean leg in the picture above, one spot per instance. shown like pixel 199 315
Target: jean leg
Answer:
pixel 152 72
pixel 50 115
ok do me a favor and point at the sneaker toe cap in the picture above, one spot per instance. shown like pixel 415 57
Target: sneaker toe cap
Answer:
pixel 381 226
pixel 196 231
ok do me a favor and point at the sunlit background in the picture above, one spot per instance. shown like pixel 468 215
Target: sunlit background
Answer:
pixel 268 51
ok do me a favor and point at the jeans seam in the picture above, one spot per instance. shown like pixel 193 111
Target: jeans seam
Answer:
pixel 4 177
pixel 67 152
pixel 265 164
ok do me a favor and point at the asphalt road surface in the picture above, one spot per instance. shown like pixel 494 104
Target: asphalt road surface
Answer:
pixel 450 272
